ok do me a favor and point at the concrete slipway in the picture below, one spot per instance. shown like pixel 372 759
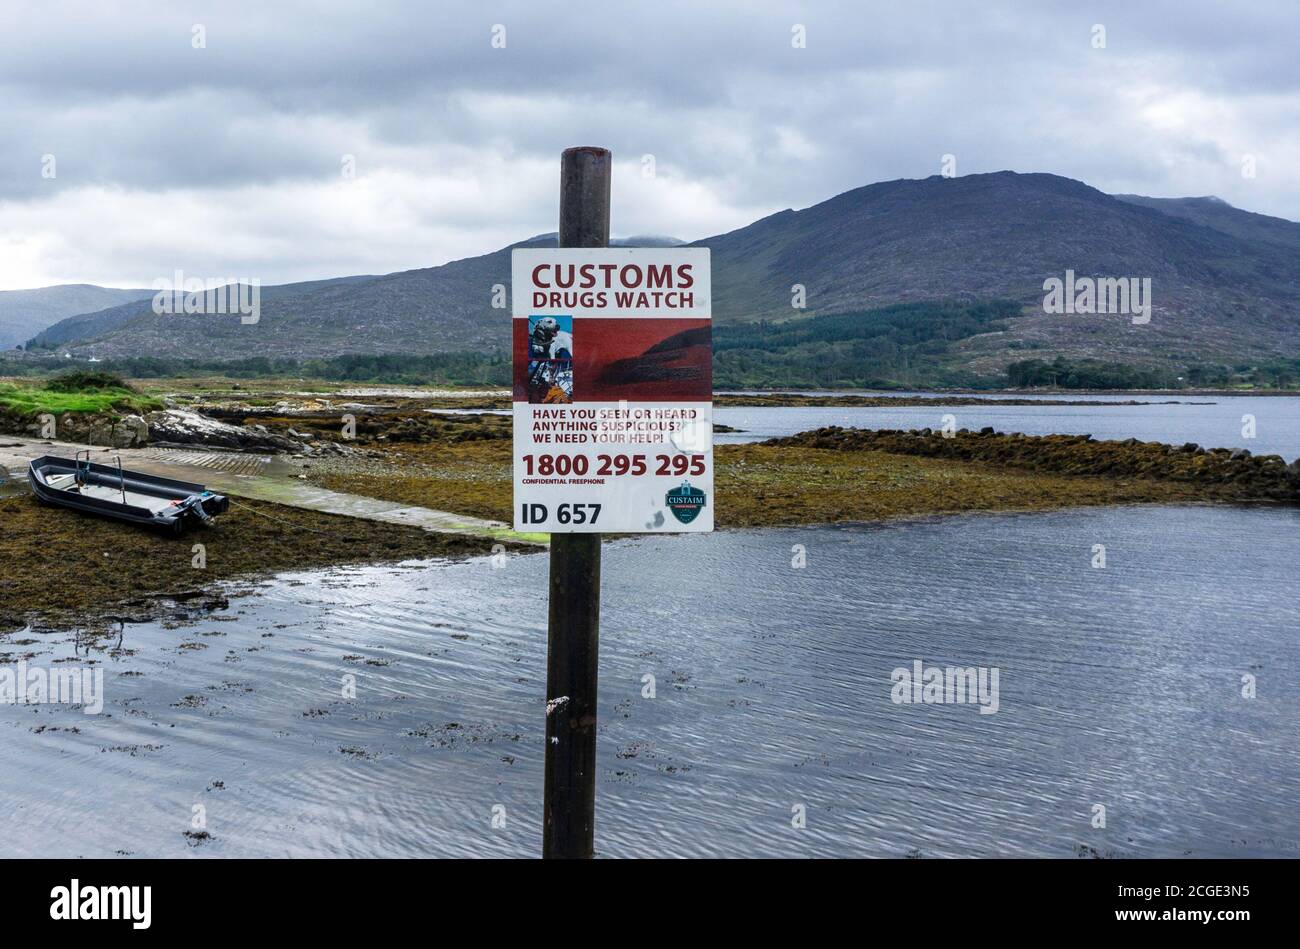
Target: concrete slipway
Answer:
pixel 260 477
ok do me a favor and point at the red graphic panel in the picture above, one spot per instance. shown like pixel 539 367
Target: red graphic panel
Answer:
pixel 641 360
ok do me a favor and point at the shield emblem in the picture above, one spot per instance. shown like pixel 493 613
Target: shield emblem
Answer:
pixel 685 502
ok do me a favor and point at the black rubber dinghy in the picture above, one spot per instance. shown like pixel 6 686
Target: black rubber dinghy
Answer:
pixel 148 500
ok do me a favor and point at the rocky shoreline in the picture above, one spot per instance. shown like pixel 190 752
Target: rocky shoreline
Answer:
pixel 170 428
pixel 793 400
pixel 62 569
pixel 1221 472
pixel 407 450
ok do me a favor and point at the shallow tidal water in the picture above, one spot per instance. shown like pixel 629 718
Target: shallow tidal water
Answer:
pixel 1118 686
pixel 1209 421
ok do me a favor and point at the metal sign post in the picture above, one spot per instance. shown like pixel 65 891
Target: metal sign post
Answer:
pixel 573 637
pixel 613 412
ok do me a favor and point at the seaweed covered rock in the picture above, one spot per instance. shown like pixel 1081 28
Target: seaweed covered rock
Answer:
pixel 1225 473
pixel 105 430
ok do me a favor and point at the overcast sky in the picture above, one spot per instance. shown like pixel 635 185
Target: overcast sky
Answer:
pixel 227 160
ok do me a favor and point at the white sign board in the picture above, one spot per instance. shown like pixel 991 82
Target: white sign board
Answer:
pixel 613 390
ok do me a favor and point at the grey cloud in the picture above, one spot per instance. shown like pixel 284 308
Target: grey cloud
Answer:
pixel 714 91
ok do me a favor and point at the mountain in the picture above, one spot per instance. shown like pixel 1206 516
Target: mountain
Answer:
pixel 91 324
pixel 436 309
pixel 23 313
pixel 1218 295
pixel 1225 283
pixel 1222 216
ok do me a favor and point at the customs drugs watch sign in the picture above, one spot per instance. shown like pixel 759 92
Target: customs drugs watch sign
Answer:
pixel 613 390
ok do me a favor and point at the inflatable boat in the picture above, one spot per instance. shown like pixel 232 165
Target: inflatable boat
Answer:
pixel 111 491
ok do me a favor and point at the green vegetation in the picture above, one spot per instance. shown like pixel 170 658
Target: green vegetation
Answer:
pixel 81 380
pixel 462 368
pixel 76 391
pixel 1275 374
pixel 1062 373
pixel 907 346
pixel 1065 373
pixel 893 347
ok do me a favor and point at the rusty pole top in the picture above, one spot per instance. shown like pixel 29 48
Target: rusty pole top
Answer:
pixel 584 196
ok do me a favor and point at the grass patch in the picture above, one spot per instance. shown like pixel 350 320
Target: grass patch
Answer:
pixel 61 395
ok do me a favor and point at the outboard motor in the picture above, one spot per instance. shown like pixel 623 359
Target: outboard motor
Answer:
pixel 194 505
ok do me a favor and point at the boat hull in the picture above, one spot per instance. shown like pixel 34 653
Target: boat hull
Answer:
pixel 147 500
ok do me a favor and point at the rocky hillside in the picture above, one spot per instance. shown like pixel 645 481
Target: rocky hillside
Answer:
pixel 1222 216
pixel 1217 294
pixel 101 322
pixel 437 309
pixel 1225 283
pixel 24 313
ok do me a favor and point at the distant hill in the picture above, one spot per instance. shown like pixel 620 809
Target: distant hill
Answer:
pixel 24 313
pixel 1222 216
pixel 1226 283
pixel 101 322
pixel 424 311
pixel 984 237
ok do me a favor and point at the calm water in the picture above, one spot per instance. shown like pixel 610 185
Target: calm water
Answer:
pixel 1212 422
pixel 1118 686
